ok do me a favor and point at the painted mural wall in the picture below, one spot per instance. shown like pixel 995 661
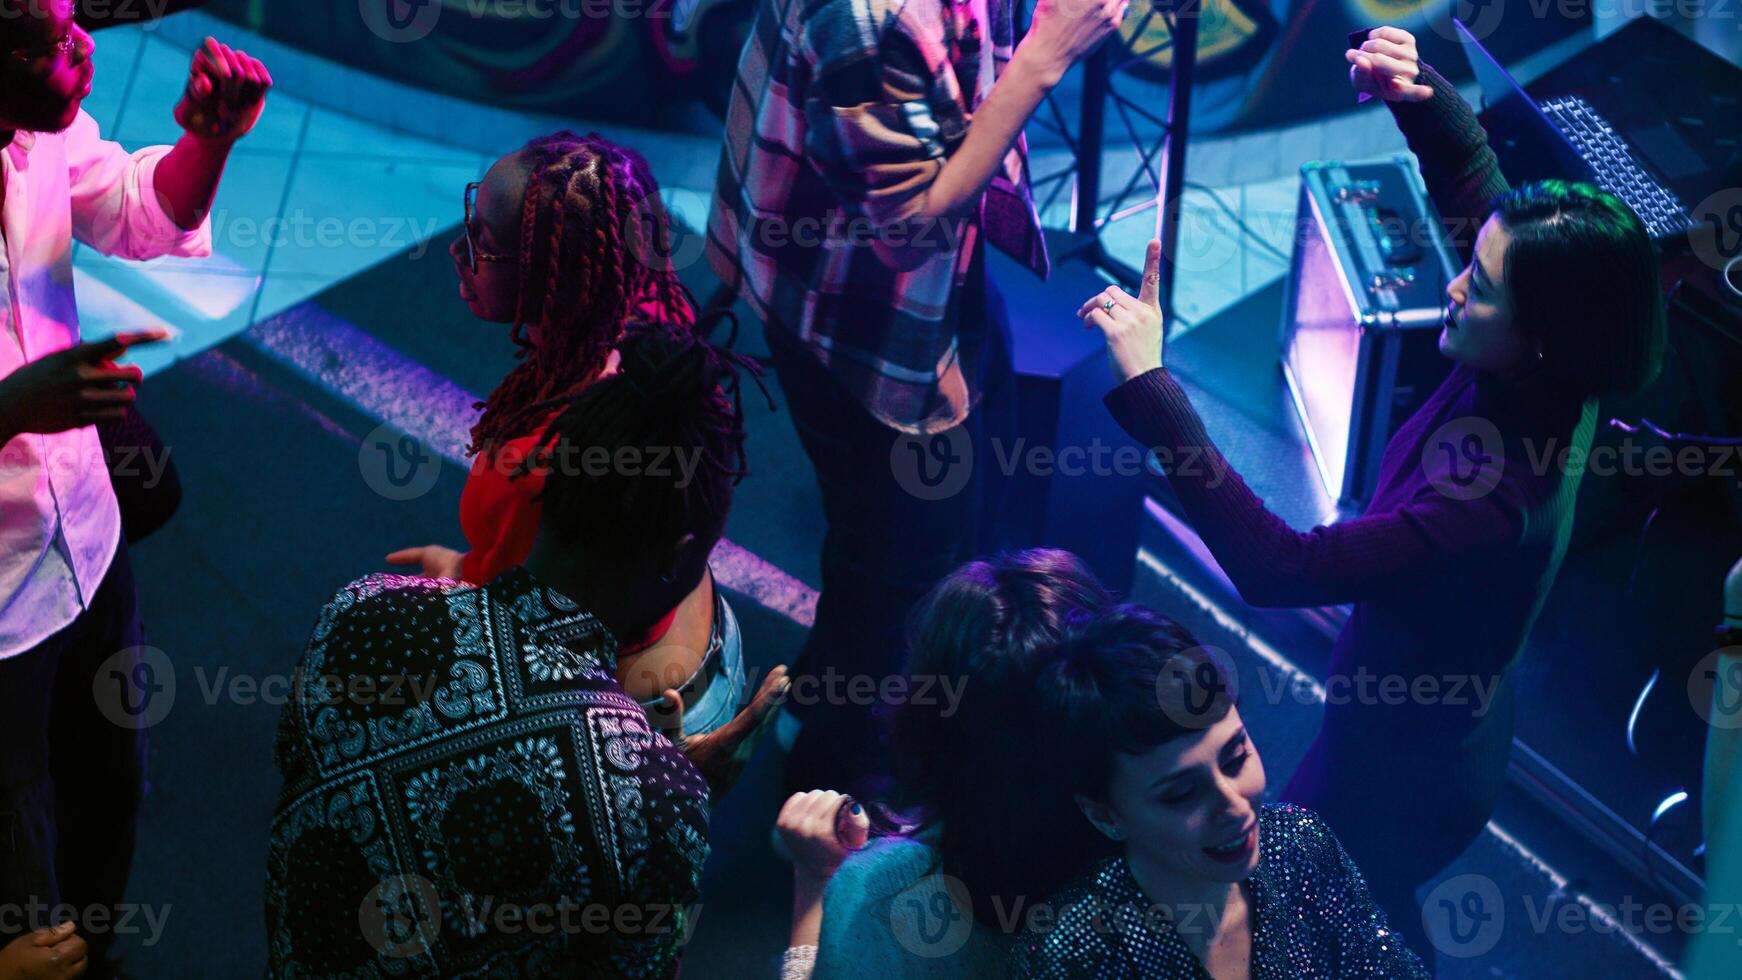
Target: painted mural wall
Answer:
pixel 653 62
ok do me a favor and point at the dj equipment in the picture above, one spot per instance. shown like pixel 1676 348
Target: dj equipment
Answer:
pixel 1362 313
pixel 1646 114
pixel 1076 479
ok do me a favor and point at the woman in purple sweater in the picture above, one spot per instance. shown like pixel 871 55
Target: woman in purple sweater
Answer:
pixel 1447 569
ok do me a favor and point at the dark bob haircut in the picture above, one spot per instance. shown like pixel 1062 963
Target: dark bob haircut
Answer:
pixel 1582 276
pixel 1057 676
pixel 963 768
pixel 1125 682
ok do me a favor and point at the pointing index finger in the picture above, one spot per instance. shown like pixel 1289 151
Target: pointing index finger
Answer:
pixel 1150 291
pixel 109 348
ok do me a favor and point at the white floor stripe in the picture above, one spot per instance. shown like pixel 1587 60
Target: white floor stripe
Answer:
pixel 386 384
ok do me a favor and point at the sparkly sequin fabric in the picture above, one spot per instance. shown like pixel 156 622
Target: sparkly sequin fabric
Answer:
pixel 1312 917
pixel 468 792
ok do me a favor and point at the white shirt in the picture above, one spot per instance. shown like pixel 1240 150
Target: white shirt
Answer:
pixel 59 522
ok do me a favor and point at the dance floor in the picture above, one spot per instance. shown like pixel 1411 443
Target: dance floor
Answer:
pixel 316 410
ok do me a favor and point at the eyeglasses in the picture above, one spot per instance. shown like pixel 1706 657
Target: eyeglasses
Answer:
pixel 475 255
pixel 58 46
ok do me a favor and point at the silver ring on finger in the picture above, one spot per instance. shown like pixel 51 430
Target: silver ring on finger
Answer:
pixel 1109 304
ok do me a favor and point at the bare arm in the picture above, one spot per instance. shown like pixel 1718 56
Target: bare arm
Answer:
pixel 226 92
pixel 999 120
pixel 863 140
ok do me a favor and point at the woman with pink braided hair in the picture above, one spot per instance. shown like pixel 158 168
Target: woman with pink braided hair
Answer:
pixel 566 240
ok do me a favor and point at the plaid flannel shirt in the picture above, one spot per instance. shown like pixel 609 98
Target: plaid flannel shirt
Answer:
pixel 842 114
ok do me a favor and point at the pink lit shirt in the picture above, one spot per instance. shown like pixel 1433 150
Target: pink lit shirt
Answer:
pixel 59 523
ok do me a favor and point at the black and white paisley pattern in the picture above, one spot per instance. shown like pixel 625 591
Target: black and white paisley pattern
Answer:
pixel 494 763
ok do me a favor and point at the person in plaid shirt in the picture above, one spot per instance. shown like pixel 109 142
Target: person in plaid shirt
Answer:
pixel 871 148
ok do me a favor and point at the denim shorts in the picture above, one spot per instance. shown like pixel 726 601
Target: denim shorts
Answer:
pixel 724 697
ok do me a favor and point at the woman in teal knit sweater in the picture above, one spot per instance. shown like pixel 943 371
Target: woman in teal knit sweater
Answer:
pixel 1094 771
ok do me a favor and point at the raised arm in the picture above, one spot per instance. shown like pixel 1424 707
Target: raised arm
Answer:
pixel 872 133
pixel 1460 170
pixel 158 200
pixel 1271 563
pixel 226 91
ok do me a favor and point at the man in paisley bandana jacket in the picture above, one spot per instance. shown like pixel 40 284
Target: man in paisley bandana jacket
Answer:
pixel 468 791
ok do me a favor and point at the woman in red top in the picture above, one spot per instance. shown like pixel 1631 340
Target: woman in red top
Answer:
pixel 566 240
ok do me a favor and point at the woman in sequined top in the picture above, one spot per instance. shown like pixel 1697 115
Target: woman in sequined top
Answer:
pixel 1140 730
pixel 1059 763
